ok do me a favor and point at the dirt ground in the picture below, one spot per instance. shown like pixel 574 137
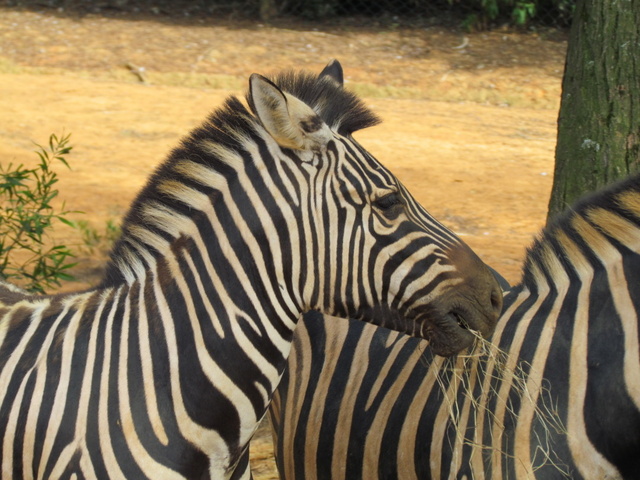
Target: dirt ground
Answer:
pixel 469 119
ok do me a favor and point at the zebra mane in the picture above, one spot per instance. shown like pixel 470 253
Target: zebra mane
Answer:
pixel 228 126
pixel 341 109
pixel 609 216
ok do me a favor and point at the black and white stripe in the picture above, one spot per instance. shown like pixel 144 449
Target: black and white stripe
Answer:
pixel 556 395
pixel 261 214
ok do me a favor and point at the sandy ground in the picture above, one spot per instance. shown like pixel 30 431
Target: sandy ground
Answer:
pixel 469 120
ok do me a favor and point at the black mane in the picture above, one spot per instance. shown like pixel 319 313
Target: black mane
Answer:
pixel 228 125
pixel 341 109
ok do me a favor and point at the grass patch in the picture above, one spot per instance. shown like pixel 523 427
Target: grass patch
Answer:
pixel 387 91
pixel 478 93
pixel 9 67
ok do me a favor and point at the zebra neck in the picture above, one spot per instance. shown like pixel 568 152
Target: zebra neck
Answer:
pixel 213 346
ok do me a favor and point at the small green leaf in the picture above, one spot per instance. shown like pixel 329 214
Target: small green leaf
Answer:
pixel 27 214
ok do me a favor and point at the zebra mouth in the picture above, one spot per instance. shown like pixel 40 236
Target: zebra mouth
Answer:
pixel 453 333
pixel 457 327
pixel 460 320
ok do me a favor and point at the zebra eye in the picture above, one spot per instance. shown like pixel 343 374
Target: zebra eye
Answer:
pixel 389 202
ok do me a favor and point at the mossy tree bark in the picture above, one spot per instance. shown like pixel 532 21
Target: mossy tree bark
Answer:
pixel 599 120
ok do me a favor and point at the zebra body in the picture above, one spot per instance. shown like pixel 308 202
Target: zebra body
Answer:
pixel 556 395
pixel 165 370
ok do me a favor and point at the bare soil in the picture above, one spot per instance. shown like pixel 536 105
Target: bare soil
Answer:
pixel 469 119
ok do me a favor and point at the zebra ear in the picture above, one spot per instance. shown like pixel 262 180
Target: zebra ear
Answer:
pixel 291 122
pixel 333 70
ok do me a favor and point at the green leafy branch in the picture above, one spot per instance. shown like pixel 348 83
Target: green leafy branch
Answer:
pixel 26 216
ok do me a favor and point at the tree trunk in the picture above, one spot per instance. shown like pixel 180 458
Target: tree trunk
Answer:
pixel 599 120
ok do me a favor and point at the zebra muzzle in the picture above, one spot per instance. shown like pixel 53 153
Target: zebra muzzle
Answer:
pixel 458 328
pixel 460 320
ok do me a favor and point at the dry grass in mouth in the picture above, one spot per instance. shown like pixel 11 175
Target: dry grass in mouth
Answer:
pixel 479 387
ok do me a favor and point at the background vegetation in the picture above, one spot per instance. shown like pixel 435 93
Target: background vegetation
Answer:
pixel 470 14
pixel 30 254
pixel 27 215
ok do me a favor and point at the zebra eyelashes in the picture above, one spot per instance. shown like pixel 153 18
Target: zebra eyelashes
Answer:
pixel 390 204
pixel 388 201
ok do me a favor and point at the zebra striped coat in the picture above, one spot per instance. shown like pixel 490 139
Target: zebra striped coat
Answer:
pixel 557 395
pixel 261 214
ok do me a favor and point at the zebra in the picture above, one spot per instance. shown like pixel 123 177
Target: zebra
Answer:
pixel 267 210
pixel 555 395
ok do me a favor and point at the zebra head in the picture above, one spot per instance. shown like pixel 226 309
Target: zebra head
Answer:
pixel 282 210
pixel 367 249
